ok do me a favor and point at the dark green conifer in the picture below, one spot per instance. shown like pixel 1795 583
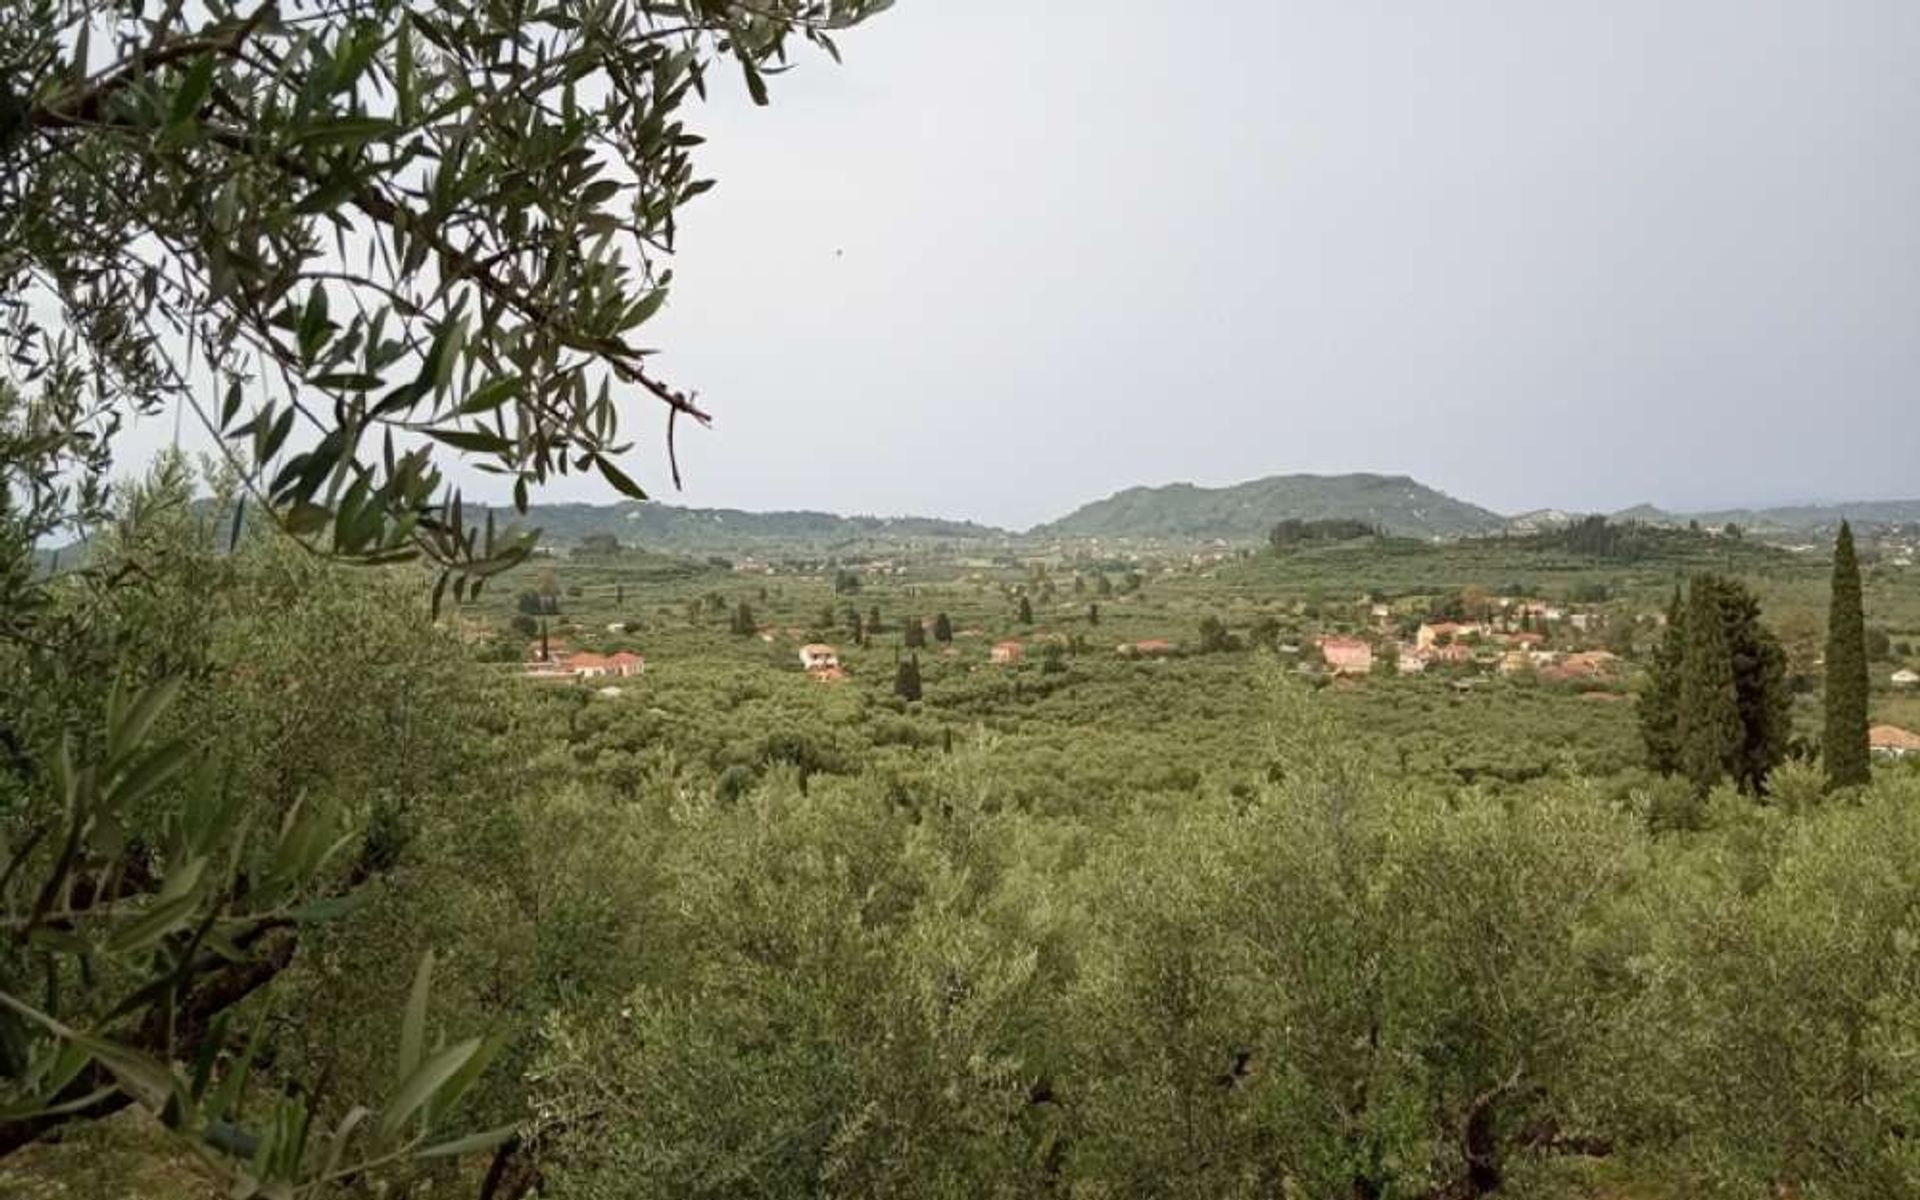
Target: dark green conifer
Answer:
pixel 906 679
pixel 1844 746
pixel 942 628
pixel 916 633
pixel 1026 611
pixel 1660 703
pixel 1708 730
pixel 1759 684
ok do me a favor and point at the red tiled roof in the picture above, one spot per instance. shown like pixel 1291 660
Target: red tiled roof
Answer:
pixel 1892 737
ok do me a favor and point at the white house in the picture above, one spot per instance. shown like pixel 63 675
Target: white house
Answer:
pixel 1905 677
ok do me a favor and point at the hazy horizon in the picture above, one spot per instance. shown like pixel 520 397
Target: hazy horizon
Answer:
pixel 1009 260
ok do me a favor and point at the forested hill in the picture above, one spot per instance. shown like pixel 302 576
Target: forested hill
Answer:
pixel 1395 503
pixel 1799 518
pixel 670 528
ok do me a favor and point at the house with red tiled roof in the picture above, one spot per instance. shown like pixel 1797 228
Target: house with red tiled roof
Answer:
pixel 588 665
pixel 626 663
pixel 1347 655
pixel 1891 741
pixel 1588 664
pixel 1008 654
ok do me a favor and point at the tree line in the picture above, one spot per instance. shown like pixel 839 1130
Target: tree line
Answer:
pixel 1718 706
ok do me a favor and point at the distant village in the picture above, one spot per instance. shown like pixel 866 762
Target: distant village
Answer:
pixel 1514 637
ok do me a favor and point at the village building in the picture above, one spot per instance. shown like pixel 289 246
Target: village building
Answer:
pixel 1891 741
pixel 562 664
pixel 1008 654
pixel 1347 655
pixel 1435 633
pixel 587 665
pixel 817 656
pixel 1150 648
pixel 1905 677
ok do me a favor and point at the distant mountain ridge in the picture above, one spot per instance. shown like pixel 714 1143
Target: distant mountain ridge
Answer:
pixel 1397 504
pixel 1243 512
pixel 1807 518
pixel 669 528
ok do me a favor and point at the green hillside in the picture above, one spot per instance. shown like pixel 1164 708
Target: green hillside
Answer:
pixel 1786 518
pixel 1398 504
pixel 669 528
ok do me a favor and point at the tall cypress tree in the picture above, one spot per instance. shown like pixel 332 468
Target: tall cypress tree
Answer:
pixel 1757 665
pixel 1026 611
pixel 942 628
pixel 916 633
pixel 1759 683
pixel 1708 730
pixel 1844 746
pixel 1660 703
pixel 906 678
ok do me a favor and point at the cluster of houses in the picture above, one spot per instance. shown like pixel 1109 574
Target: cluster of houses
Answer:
pixel 555 662
pixel 1470 643
pixel 822 661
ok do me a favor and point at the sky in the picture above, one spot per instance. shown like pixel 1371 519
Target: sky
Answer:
pixel 1015 256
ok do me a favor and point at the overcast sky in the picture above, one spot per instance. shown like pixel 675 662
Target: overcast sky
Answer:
pixel 1016 255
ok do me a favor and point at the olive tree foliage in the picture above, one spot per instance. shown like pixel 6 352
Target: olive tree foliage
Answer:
pixel 1329 988
pixel 338 234
pixel 344 237
pixel 1779 1051
pixel 190 789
